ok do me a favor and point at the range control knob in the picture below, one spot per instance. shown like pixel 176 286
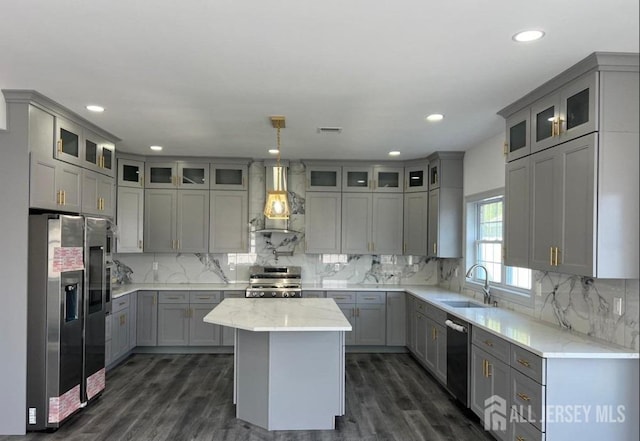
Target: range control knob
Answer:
pixel 261 294
pixel 273 294
pixel 285 294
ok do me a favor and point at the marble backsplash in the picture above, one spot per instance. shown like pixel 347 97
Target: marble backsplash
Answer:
pixel 575 303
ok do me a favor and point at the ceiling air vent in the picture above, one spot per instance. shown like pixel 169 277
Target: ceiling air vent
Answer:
pixel 329 129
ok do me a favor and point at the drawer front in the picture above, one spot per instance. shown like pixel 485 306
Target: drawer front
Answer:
pixel 528 363
pixel 205 296
pixel 342 296
pixel 523 431
pixel 173 297
pixel 529 396
pixel 120 303
pixel 234 294
pixel 496 346
pixel 371 297
pixel 313 294
pixel 421 306
pixel 436 314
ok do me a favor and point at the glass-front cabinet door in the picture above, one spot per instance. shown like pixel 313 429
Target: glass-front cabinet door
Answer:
pixel 578 102
pixel 517 144
pixel 107 158
pixel 98 154
pixel 356 179
pixel 388 179
pixel 130 173
pixel 415 178
pixel 434 174
pixel 545 118
pixel 69 142
pixel 229 176
pixel 193 175
pixel 323 178
pixel 160 175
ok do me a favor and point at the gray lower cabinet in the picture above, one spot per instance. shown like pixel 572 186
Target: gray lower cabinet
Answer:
pixel 201 333
pixel 323 216
pixel 313 294
pixel 176 221
pixel 436 352
pixel 228 333
pixel 411 323
pixel 120 327
pixel 173 324
pixel 366 312
pixel 133 318
pixel 396 319
pixel 180 315
pixel 147 319
pixel 421 336
pixel 229 222
pixel 130 220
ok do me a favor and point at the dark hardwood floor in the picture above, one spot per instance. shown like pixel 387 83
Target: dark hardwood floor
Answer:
pixel 189 397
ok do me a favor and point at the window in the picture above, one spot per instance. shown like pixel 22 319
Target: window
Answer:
pixel 485 228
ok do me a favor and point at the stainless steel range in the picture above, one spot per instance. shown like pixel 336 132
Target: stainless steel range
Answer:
pixel 274 281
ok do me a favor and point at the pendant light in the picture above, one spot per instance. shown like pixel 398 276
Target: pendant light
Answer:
pixel 277 203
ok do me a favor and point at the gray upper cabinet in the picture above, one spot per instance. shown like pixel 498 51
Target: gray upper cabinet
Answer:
pixel 55 185
pixel 229 222
pixel 415 177
pixel 387 223
pixel 583 172
pixel 356 223
pixel 69 142
pixel 130 220
pixel 99 154
pixel 415 223
pixel 323 229
pixel 368 178
pixel 323 177
pixel 357 178
pixel 98 194
pixel 41 132
pixel 518 142
pixel 176 221
pixel 444 234
pixel 517 213
pixel 229 176
pixel 177 174
pixel 388 179
pixel 130 173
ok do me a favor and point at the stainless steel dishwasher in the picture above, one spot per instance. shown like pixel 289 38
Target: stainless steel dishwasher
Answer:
pixel 458 335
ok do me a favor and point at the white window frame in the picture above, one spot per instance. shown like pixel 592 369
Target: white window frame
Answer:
pixel 499 291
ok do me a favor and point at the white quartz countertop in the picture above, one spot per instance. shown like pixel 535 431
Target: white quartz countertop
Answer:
pixel 541 338
pixel 279 315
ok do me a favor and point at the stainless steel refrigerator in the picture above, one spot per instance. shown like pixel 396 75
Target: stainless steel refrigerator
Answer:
pixel 66 316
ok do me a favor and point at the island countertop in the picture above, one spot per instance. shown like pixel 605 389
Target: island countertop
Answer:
pixel 265 315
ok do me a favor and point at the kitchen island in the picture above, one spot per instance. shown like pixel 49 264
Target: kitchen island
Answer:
pixel 289 366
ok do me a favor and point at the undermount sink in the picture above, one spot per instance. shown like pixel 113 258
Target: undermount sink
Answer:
pixel 463 304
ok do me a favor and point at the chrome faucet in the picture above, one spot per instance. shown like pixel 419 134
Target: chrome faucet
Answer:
pixel 485 288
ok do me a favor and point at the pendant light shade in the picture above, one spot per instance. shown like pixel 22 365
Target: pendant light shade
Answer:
pixel 277 203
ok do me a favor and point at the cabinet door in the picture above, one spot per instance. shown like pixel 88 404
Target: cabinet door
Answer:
pixel 161 175
pixel 480 384
pixel 578 107
pixel 193 221
pixel 396 319
pixel 349 311
pixel 160 211
pixel 545 117
pixel 323 178
pixel 108 352
pixel 43 190
pixel 92 158
pixel 356 223
pixel 229 222
pixel 411 323
pixel 106 195
pixel 415 223
pixel 441 352
pixel 107 158
pixel 193 175
pixel 68 180
pixel 516 238
pixel 431 358
pixel 133 319
pixel 421 336
pixel 388 179
pixel 120 333
pixel 445 223
pixel 518 135
pixel 544 222
pixel 130 173
pixel 415 178
pixel 173 324
pixel 433 225
pixel 387 223
pixel 41 132
pixel 69 147
pixel 147 319
pixel 201 333
pixel 130 220
pixel 371 321
pixel 434 174
pixel 229 177
pixel 90 199
pixel 576 236
pixel 323 217
pixel 357 179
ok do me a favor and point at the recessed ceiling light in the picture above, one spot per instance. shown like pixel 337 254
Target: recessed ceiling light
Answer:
pixel 434 117
pixel 94 108
pixel 530 35
pixel 274 151
pixel 156 148
pixel 394 153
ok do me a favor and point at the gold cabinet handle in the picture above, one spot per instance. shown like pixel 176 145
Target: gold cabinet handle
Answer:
pixel 435 248
pixel 523 397
pixel 550 256
pixel 489 373
pixel 485 368
pixel 519 438
pixel 64 197
pixel 554 122
pixel 555 256
pixel 155 300
pixel 524 363
pixel 60 145
pixel 58 198
pixel 140 244
pixel 560 122
pixel 433 333
pixel 506 148
pixel 178 244
pixel 488 343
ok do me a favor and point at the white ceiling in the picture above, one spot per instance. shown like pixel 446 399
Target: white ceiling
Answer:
pixel 201 77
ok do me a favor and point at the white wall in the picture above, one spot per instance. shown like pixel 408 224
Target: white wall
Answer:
pixel 484 166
